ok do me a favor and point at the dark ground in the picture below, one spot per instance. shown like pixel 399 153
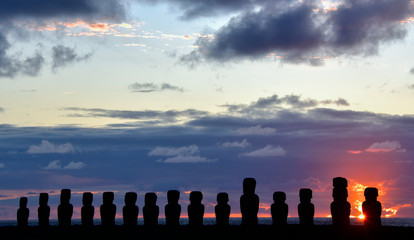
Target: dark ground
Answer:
pixel 206 232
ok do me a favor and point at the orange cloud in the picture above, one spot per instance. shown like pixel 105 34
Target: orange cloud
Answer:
pixel 381 147
pixel 407 20
pixel 392 211
pixel 354 151
pixel 387 146
pixel 265 206
pixel 81 27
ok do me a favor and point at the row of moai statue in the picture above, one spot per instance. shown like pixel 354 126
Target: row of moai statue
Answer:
pixel 249 206
pixel 341 208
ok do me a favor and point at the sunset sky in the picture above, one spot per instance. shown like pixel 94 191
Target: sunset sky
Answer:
pixel 153 95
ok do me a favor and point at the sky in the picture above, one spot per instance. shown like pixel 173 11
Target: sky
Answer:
pixel 153 95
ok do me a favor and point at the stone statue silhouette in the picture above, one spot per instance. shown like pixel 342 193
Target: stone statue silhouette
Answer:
pixel 249 203
pixel 279 209
pixel 130 210
pixel 151 210
pixel 43 211
pixel 340 207
pixel 306 209
pixel 65 209
pixel 172 209
pixel 195 209
pixel 108 209
pixel 371 208
pixel 23 213
pixel 87 210
pixel 222 209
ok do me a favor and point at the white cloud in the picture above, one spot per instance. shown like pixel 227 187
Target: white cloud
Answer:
pixel 2 165
pixel 387 146
pixel 241 144
pixel 268 151
pixel 53 165
pixel 187 159
pixel 186 154
pixel 48 147
pixel 171 151
pixel 256 130
pixel 75 165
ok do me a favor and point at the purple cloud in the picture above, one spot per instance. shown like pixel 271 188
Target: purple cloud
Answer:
pixel 299 34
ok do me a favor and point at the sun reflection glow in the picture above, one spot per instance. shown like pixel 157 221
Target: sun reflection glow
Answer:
pixel 359 189
pixel 358 207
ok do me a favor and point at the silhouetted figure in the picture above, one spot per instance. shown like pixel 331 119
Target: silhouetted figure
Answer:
pixel 340 207
pixel 371 208
pixel 279 209
pixel 22 213
pixel 150 210
pixel 87 210
pixel 65 209
pixel 306 210
pixel 195 209
pixel 249 203
pixel 222 209
pixel 130 210
pixel 43 211
pixel 172 209
pixel 108 209
pixel 340 182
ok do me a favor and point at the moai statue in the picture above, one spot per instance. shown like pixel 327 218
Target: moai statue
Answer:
pixel 172 209
pixel 249 203
pixel 43 211
pixel 87 210
pixel 340 207
pixel 151 210
pixel 22 213
pixel 130 210
pixel 108 209
pixel 195 209
pixel 371 208
pixel 279 209
pixel 306 209
pixel 65 209
pixel 222 209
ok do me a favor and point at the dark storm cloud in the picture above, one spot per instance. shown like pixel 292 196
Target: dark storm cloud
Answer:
pixel 359 27
pixel 275 102
pixel 11 66
pixel 170 115
pixel 264 107
pixel 43 9
pixel 207 8
pixel 299 34
pixel 152 87
pixel 339 102
pixel 255 34
pixel 12 11
pixel 63 56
